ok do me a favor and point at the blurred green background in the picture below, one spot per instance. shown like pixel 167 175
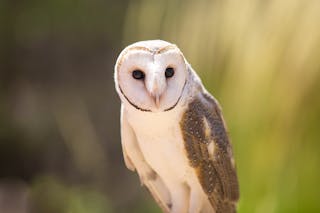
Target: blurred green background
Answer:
pixel 59 114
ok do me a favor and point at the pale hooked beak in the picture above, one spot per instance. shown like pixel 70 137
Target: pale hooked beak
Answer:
pixel 154 93
pixel 157 100
pixel 155 90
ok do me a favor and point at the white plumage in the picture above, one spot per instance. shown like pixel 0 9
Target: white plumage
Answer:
pixel 172 131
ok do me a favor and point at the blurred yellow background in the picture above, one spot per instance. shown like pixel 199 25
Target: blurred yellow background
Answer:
pixel 59 129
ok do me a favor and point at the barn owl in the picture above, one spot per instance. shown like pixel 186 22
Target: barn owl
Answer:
pixel 172 131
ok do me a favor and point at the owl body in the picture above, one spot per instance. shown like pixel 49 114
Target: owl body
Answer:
pixel 163 150
pixel 172 131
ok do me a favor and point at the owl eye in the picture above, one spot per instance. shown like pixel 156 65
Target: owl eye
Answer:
pixel 169 72
pixel 138 74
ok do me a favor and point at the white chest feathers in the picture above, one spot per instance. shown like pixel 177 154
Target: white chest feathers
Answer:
pixel 160 140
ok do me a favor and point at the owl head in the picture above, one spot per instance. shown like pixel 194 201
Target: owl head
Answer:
pixel 151 75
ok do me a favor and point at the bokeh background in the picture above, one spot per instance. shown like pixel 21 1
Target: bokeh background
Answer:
pixel 59 114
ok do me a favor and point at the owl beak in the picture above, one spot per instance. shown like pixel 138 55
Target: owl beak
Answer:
pixel 155 87
pixel 157 100
pixel 155 94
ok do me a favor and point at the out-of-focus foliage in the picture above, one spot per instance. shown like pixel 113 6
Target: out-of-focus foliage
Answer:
pixel 261 60
pixel 59 115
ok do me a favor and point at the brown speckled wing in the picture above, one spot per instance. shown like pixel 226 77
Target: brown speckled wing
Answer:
pixel 210 153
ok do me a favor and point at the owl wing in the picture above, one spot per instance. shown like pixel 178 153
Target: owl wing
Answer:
pixel 127 139
pixel 134 160
pixel 210 153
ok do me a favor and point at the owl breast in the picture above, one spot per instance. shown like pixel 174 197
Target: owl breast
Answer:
pixel 160 140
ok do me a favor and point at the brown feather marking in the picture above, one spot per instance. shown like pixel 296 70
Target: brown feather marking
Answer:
pixel 152 175
pixel 223 152
pixel 166 48
pixel 192 132
pixel 216 173
pixel 207 176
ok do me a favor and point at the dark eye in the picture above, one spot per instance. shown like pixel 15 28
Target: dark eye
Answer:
pixel 169 72
pixel 138 74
